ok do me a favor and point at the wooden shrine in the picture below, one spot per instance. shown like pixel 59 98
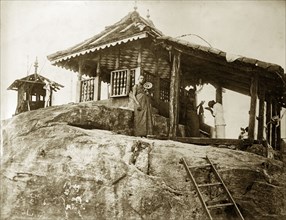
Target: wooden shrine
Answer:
pixel 133 46
pixel 34 91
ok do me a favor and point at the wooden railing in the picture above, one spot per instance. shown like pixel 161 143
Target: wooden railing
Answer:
pixel 87 90
pixel 120 83
pixel 164 90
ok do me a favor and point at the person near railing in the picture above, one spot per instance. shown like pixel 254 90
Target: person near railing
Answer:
pixel 216 110
pixel 143 124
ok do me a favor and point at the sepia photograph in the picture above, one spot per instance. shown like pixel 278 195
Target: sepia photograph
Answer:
pixel 143 109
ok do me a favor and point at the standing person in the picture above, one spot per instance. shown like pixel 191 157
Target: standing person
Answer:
pixel 47 87
pixel 217 112
pixel 192 119
pixel 143 125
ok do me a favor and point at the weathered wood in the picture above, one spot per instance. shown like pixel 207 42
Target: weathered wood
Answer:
pixel 230 84
pixel 174 93
pixel 252 111
pixel 117 60
pixel 51 95
pixel 219 63
pixel 157 82
pixel 139 58
pixel 97 83
pixel 209 141
pixel 261 115
pixel 225 143
pixel 278 129
pixel 228 71
pixel 128 82
pixel 78 83
pixel 268 119
pixel 219 94
pixel 274 128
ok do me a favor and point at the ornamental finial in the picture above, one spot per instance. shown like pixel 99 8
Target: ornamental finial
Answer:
pixel 135 5
pixel 148 14
pixel 36 65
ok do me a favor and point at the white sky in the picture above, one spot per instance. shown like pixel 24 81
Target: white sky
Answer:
pixel 38 28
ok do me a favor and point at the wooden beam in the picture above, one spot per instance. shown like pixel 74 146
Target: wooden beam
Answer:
pixel 268 119
pixel 117 60
pixel 51 98
pixel 278 129
pixel 78 83
pixel 174 95
pixel 252 111
pixel 97 83
pixel 219 94
pixel 223 143
pixel 274 128
pixel 234 87
pixel 261 115
pixel 139 58
pixel 220 61
pixel 222 79
pixel 231 68
pixel 157 79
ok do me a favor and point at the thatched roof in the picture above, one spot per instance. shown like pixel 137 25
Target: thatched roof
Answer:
pixel 131 27
pixel 34 79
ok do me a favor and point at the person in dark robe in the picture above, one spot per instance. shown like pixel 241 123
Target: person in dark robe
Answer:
pixel 192 119
pixel 143 124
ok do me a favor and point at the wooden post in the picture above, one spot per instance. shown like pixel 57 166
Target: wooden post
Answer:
pixel 157 83
pixel 278 129
pixel 138 70
pixel 252 111
pixel 274 128
pixel 117 61
pixel 51 97
pixel 139 58
pixel 97 83
pixel 78 83
pixel 219 94
pixel 261 115
pixel 268 119
pixel 174 95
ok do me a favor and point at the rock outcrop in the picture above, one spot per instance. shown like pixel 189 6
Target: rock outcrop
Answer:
pixel 78 162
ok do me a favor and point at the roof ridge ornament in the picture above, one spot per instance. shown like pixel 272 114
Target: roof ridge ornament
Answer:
pixel 148 14
pixel 36 65
pixel 135 5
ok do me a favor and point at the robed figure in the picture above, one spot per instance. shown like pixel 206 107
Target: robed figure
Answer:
pixel 143 124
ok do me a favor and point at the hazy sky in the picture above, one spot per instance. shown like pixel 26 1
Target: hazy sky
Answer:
pixel 38 28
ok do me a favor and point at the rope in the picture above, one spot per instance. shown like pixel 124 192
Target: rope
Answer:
pixel 43 66
pixel 184 35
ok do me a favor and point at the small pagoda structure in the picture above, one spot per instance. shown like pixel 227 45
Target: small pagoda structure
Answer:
pixel 34 91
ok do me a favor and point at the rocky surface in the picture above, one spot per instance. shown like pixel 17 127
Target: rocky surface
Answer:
pixel 58 164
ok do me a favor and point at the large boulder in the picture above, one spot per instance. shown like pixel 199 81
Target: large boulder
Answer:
pixel 56 165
